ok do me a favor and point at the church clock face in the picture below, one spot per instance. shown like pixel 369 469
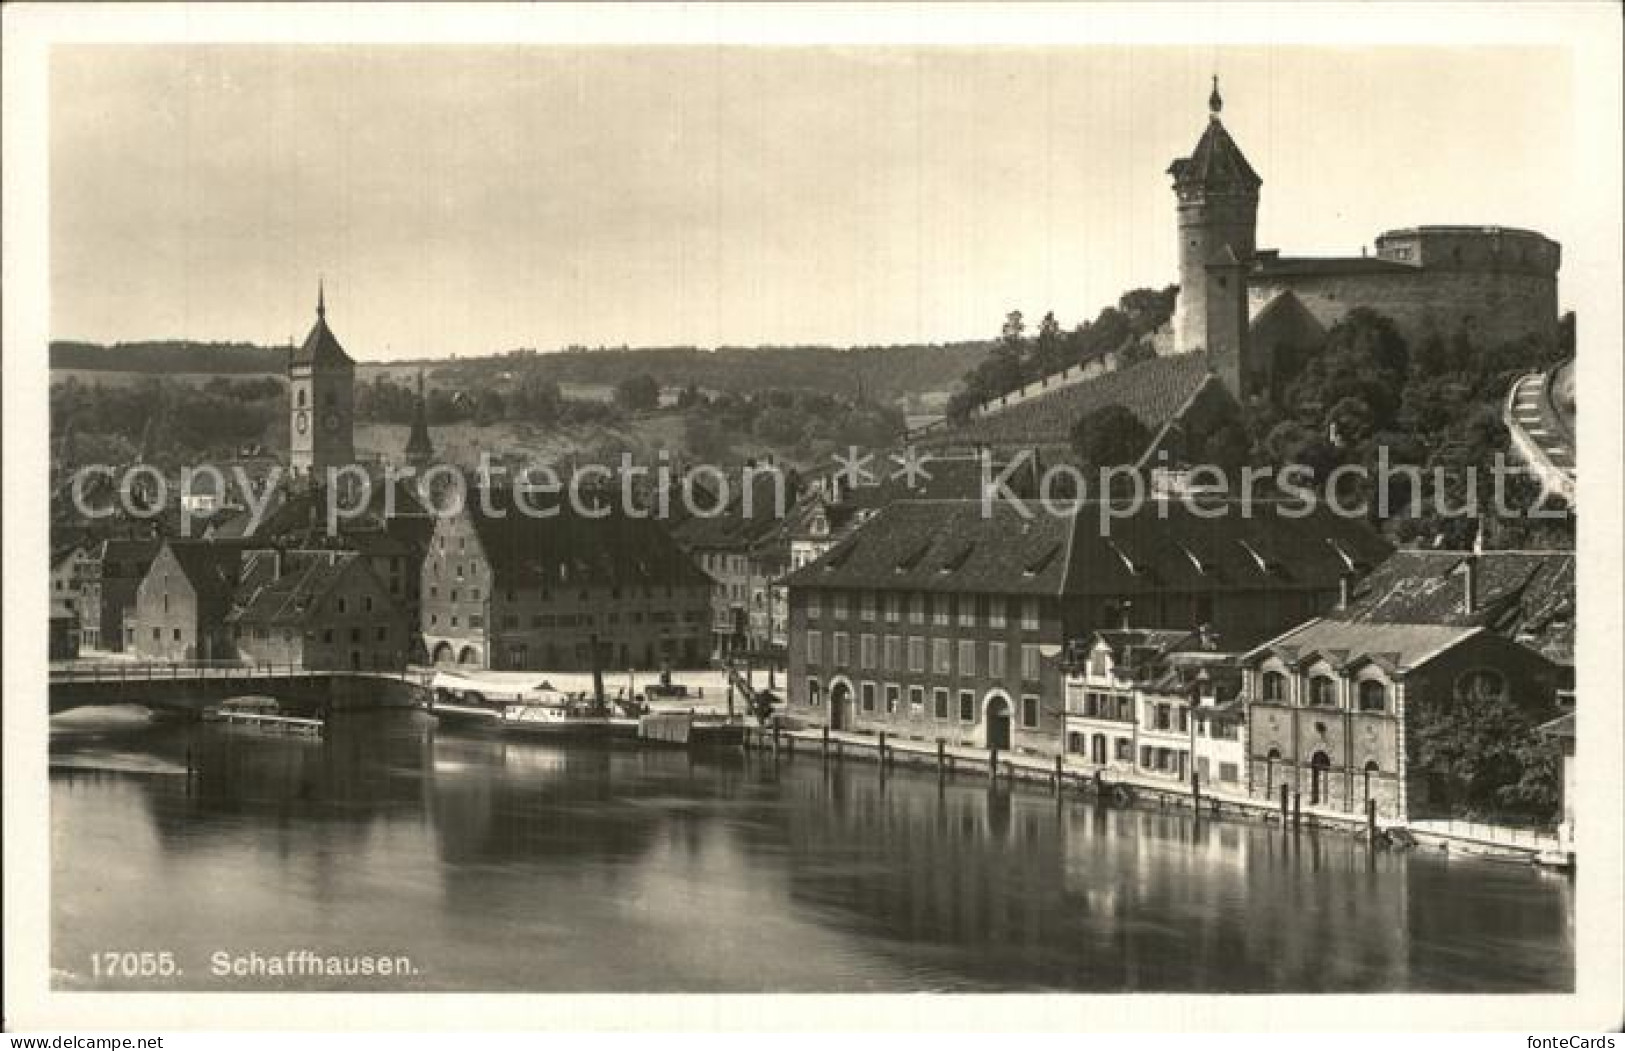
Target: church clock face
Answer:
pixel 301 422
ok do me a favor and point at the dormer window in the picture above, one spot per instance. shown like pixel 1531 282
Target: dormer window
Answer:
pixel 1323 692
pixel 1274 687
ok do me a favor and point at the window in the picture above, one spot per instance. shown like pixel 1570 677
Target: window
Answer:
pixel 1161 716
pixel 814 607
pixel 916 702
pixel 1274 687
pixel 327 635
pixel 1228 773
pixel 1029 663
pixel 1029 614
pixel 939 703
pixel 893 611
pixel 995 660
pixel 355 634
pixel 939 610
pixel 967 611
pixel 366 603
pixel 1373 696
pixel 967 658
pixel 1481 684
pixel 1029 712
pixel 1125 750
pixel 1099 668
pixel 894 653
pixel 892 695
pixel 814 694
pixel 967 706
pixel 866 605
pixel 1182 719
pixel 867 692
pixel 916 609
pixel 942 657
pixel 867 652
pixel 916 654
pixel 381 634
pixel 995 612
pixel 815 647
pixel 837 605
pixel 1322 692
pixel 1145 756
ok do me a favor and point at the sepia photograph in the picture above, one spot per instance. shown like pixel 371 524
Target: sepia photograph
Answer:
pixel 717 507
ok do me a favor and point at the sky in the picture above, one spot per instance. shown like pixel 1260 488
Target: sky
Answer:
pixel 476 199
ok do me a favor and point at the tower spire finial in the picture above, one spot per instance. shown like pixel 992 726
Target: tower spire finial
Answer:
pixel 321 297
pixel 1215 101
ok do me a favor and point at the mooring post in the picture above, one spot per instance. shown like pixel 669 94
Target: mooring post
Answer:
pixel 826 756
pixel 1297 811
pixel 1371 823
pixel 942 749
pixel 1283 805
pixel 992 764
pixel 1196 793
pixel 1057 775
pixel 882 750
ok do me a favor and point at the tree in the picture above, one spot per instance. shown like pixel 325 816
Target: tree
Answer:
pixel 638 392
pixel 1109 436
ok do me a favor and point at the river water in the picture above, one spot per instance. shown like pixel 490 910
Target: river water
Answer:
pixel 504 865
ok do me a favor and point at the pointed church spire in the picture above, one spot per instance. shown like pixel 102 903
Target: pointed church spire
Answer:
pixel 1215 101
pixel 321 298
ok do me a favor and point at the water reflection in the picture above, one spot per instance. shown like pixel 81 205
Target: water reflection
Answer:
pixel 503 864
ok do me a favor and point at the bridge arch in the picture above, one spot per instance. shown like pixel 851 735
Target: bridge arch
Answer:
pixel 469 657
pixel 445 654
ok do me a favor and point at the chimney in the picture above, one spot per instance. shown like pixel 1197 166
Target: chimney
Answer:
pixel 1345 590
pixel 1126 609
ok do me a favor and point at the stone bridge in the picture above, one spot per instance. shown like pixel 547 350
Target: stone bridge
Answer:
pixel 194 686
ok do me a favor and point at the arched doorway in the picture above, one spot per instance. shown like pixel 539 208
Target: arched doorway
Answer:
pixel 997 719
pixel 840 704
pixel 1270 762
pixel 469 657
pixel 1369 773
pixel 444 654
pixel 1320 766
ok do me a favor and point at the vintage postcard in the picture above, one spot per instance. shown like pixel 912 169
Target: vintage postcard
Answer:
pixel 1071 501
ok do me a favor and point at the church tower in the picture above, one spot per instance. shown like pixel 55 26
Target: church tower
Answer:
pixel 419 448
pixel 321 395
pixel 1218 220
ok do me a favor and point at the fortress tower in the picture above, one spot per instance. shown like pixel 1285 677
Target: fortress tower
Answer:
pixel 321 397
pixel 1218 219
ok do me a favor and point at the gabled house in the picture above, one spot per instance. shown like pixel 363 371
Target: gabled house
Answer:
pixel 182 602
pixel 320 610
pixel 527 582
pixel 1341 713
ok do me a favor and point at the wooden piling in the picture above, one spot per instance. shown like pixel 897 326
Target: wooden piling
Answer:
pixel 1371 823
pixel 1057 775
pixel 1284 814
pixel 1196 793
pixel 992 764
pixel 826 756
pixel 882 752
pixel 942 749
pixel 1297 811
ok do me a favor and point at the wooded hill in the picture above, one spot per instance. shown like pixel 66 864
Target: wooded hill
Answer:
pixel 871 373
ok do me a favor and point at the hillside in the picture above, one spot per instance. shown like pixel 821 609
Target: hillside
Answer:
pixel 917 375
